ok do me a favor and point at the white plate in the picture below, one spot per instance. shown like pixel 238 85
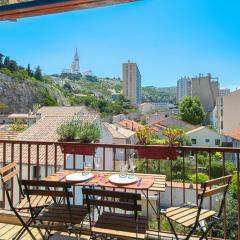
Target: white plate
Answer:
pixel 79 177
pixel 122 180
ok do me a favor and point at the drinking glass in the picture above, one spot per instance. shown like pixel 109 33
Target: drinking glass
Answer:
pixel 132 166
pixel 123 170
pixel 87 167
pixel 98 163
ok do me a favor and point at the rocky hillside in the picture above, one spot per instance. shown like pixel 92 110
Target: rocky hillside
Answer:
pixel 19 95
pixel 90 85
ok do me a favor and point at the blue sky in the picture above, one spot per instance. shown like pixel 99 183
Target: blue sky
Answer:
pixel 166 38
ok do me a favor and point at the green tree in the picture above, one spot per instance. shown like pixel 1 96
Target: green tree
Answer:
pixel 217 169
pixel 38 73
pixel 191 110
pixel 1 59
pixel 29 71
pixel 18 126
pixel 12 66
pixel 6 62
pixel 199 178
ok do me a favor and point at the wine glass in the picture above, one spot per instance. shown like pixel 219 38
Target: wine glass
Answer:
pixel 132 165
pixel 98 163
pixel 87 167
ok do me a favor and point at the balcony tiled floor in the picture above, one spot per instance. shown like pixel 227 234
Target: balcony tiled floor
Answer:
pixel 8 231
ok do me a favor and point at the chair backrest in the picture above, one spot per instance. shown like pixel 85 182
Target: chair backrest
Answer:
pixel 56 190
pixel 8 173
pixel 112 199
pixel 213 187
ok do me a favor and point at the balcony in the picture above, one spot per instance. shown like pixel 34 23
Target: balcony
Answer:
pixel 37 160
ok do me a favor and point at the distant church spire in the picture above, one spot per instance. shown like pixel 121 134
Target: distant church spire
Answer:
pixel 75 67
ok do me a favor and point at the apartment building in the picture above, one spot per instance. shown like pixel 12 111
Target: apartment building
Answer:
pixel 132 82
pixel 169 90
pixel 207 89
pixel 228 112
pixel 224 91
pixel 184 87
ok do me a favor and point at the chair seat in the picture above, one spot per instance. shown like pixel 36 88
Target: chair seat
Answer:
pixel 60 213
pixel 187 216
pixel 35 201
pixel 120 225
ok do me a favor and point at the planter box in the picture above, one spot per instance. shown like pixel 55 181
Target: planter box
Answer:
pixel 158 153
pixel 79 150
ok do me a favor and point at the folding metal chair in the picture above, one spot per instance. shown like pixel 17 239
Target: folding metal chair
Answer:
pixel 59 215
pixel 197 218
pixel 115 224
pixel 8 173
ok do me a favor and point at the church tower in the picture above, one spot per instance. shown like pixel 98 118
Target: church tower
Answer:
pixel 75 67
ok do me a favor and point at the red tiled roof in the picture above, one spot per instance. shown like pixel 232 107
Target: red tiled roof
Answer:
pixel 8 134
pixel 235 133
pixel 25 158
pixel 130 124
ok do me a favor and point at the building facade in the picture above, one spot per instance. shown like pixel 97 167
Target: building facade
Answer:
pixel 206 137
pixel 169 90
pixel 132 82
pixel 228 112
pixel 224 91
pixel 184 87
pixel 207 89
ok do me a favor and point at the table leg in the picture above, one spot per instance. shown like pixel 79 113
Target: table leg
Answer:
pixel 158 214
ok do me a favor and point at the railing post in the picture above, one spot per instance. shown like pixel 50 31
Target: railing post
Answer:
pixel 238 194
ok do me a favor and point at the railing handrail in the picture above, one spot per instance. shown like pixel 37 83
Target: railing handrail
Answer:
pixel 129 146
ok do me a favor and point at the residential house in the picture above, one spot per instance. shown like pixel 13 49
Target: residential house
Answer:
pixel 206 137
pixel 120 135
pixel 146 108
pixel 28 119
pixel 130 124
pixel 154 117
pixel 175 122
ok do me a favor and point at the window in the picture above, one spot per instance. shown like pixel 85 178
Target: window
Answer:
pixel 194 141
pixel 221 112
pixel 221 101
pixel 217 142
pixel 222 125
pixel 207 140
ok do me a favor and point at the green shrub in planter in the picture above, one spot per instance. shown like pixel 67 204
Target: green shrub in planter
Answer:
pixel 88 132
pixel 67 131
pixel 78 131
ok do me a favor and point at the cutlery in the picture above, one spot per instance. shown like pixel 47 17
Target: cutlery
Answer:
pixel 139 182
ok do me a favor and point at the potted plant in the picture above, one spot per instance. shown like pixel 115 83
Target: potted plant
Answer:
pixel 80 132
pixel 146 136
pixel 173 135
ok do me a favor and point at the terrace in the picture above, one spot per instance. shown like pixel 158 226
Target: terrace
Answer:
pixel 48 159
pixel 36 160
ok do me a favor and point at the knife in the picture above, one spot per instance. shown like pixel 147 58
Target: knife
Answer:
pixel 139 182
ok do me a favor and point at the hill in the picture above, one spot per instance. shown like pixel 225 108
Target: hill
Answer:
pixel 89 85
pixel 21 88
pixel 19 95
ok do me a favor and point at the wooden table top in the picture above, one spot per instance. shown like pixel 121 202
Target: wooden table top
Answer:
pixel 159 182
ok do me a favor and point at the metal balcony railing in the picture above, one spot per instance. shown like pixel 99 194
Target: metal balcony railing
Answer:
pixel 37 160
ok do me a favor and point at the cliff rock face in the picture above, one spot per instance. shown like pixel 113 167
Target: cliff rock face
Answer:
pixel 20 95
